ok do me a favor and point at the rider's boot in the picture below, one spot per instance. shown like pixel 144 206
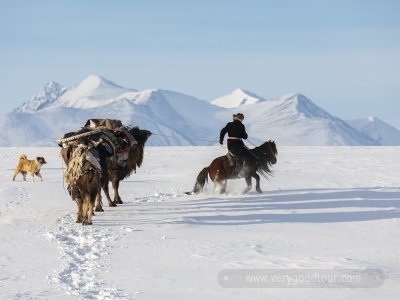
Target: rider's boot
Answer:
pixel 246 166
pixel 242 172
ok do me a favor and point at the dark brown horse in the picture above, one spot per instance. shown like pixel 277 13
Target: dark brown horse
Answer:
pixel 117 172
pixel 221 169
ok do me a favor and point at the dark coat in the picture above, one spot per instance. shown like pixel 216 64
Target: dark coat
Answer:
pixel 234 129
pixel 236 146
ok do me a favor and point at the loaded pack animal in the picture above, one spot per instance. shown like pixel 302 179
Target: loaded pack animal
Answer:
pixel 83 176
pixel 118 150
pixel 117 171
pixel 228 167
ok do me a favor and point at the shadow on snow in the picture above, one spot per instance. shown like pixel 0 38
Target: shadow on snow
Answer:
pixel 290 206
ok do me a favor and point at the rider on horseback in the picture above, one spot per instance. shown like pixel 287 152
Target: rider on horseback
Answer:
pixel 236 132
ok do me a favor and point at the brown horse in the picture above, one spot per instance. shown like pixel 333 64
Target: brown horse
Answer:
pixel 221 169
pixel 83 177
pixel 116 172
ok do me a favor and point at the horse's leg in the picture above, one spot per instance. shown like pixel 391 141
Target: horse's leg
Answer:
pixel 257 177
pixel 217 187
pixel 117 198
pixel 248 182
pixel 220 186
pixel 219 182
pixel 223 187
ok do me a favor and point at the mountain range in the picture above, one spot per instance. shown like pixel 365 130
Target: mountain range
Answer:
pixel 178 119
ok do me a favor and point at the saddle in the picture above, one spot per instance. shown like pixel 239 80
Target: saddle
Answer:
pixel 235 163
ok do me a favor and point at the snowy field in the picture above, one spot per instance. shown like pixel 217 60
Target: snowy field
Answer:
pixel 326 209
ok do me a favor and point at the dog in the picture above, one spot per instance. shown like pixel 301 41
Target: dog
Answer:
pixel 26 165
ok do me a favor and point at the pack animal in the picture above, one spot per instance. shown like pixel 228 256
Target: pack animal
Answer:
pixel 117 160
pixel 116 172
pixel 83 175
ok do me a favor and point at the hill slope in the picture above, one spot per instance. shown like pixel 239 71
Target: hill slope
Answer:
pixel 378 130
pixel 175 118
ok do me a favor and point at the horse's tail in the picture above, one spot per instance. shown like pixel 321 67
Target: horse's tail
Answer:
pixel 202 178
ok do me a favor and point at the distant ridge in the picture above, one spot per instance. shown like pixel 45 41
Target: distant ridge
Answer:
pixel 46 96
pixel 384 133
pixel 179 119
pixel 297 121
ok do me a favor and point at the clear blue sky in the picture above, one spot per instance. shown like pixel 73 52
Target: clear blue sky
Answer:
pixel 343 54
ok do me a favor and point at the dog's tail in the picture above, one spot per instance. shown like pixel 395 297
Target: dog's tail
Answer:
pixel 22 156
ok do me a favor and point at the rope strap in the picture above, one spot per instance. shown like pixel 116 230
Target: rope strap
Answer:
pixel 74 137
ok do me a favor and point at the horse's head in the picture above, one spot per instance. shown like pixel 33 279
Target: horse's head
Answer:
pixel 273 150
pixel 267 152
pixel 266 155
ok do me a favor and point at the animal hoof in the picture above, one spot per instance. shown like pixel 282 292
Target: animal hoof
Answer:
pixel 259 191
pixel 99 209
pixel 119 201
pixel 112 204
pixel 86 222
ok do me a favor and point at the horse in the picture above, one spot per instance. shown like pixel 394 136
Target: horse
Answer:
pixel 221 169
pixel 116 172
pixel 83 175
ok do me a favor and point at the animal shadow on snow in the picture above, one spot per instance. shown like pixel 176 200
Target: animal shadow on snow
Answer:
pixel 294 206
pixel 285 206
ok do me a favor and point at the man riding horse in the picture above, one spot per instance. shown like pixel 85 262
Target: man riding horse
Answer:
pixel 236 132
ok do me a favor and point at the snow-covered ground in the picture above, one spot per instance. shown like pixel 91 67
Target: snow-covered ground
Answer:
pixel 326 209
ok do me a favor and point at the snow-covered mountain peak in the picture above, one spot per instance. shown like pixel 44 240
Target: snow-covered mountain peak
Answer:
pixel 245 93
pixel 95 84
pixel 236 98
pixel 45 96
pixel 377 129
pixel 93 91
pixel 295 98
pixel 301 104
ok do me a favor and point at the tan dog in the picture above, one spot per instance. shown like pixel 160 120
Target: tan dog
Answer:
pixel 26 165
